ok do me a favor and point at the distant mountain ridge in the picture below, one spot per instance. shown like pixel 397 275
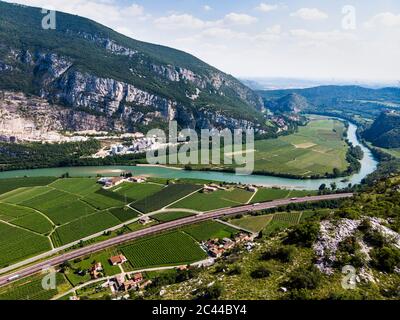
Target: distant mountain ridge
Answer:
pixel 291 103
pixel 346 101
pixel 385 131
pixel 86 66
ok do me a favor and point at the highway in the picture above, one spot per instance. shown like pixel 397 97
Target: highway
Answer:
pixel 52 262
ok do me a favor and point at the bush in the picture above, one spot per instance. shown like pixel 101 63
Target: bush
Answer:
pixel 235 270
pixel 304 234
pixel 210 293
pixel 304 278
pixel 375 238
pixel 283 254
pixel 386 258
pixel 260 273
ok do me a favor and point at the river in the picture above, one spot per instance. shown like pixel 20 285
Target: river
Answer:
pixel 368 165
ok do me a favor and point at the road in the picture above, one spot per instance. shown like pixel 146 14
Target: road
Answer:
pixel 36 268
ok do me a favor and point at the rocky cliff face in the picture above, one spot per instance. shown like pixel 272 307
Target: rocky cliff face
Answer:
pixel 91 69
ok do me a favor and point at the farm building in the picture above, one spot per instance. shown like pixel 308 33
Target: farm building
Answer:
pixel 144 220
pixel 138 179
pixel 116 260
pixel 96 270
pixel 252 188
pixel 207 188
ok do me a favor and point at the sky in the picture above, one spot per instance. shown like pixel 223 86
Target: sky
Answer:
pixel 308 39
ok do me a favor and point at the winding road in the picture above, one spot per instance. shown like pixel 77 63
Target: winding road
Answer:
pixel 52 262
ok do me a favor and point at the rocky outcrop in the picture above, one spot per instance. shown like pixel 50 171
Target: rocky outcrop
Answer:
pixel 330 237
pixel 33 118
pixel 61 83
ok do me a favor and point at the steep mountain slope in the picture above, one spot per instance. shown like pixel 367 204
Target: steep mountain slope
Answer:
pixel 290 103
pixel 385 131
pixel 89 67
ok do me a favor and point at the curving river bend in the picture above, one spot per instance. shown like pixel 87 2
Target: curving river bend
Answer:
pixel 368 165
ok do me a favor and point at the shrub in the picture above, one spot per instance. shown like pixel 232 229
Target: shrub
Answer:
pixel 386 258
pixel 283 254
pixel 260 273
pixel 304 234
pixel 304 278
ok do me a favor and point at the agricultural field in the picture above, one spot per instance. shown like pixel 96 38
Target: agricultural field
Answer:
pixel 78 186
pixel 201 201
pixel 252 223
pixel 86 263
pixel 7 185
pixel 84 227
pixel 282 221
pixel 173 248
pixel 67 210
pixel 136 192
pixel 104 199
pixel 316 149
pixel 166 196
pixel 31 289
pixel 59 206
pixel 264 195
pixel 171 216
pixel 24 194
pixel 210 230
pixel 17 244
pixel 124 214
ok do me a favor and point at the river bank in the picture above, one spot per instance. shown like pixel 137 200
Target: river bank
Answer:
pixel 368 165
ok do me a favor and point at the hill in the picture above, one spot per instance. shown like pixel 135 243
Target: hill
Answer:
pixel 385 131
pixel 91 68
pixel 351 102
pixel 291 103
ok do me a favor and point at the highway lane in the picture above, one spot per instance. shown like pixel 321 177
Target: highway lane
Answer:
pixel 38 267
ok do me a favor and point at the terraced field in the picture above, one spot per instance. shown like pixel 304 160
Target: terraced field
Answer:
pixel 209 230
pixel 215 200
pixel 164 250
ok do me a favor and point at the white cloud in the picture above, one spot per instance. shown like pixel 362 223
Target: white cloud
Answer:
pixel 134 10
pixel 265 7
pixel 310 14
pixel 327 36
pixel 385 19
pixel 270 34
pixel 239 18
pixel 188 21
pixel 222 33
pixel 207 8
pixel 181 21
